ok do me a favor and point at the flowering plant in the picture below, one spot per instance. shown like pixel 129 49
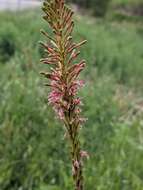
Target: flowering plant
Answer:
pixel 63 77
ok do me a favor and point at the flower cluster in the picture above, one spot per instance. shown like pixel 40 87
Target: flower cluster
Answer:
pixel 63 76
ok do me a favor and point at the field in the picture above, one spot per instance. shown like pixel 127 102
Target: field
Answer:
pixel 33 152
pixel 127 2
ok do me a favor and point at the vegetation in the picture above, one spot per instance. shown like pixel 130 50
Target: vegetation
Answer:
pixel 98 7
pixel 7 43
pixel 31 157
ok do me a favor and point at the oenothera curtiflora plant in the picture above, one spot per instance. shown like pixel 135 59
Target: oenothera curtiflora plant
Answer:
pixel 63 77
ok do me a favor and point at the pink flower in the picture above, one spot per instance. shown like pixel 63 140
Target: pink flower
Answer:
pixel 84 154
pixel 77 101
pixel 60 112
pixel 54 97
pixel 76 164
pixel 75 86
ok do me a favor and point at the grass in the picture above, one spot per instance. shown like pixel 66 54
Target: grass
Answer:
pixel 127 2
pixel 33 154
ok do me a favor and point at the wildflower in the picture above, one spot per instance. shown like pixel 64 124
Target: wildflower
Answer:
pixel 84 154
pixel 76 164
pixel 63 77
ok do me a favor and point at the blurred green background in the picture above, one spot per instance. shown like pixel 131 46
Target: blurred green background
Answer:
pixel 33 153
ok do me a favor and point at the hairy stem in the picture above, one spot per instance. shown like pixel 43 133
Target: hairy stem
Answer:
pixel 75 153
pixel 76 164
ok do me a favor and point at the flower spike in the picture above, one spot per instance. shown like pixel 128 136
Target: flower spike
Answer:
pixel 63 78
